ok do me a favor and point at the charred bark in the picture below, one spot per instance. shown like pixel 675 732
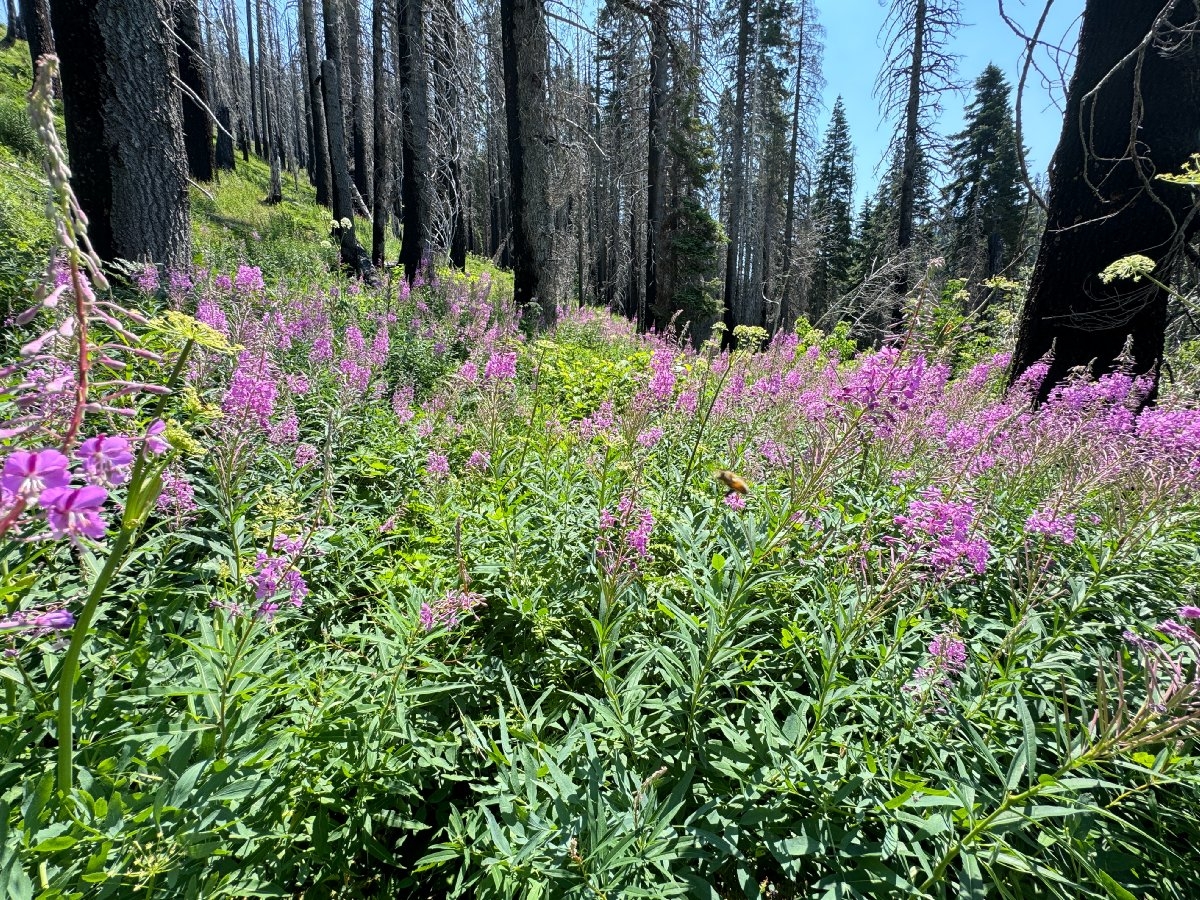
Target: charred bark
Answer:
pixel 1103 205
pixel 37 29
pixel 415 186
pixel 381 189
pixel 360 146
pixel 124 128
pixel 526 60
pixel 352 254
pixel 197 126
pixel 321 160
pixel 224 158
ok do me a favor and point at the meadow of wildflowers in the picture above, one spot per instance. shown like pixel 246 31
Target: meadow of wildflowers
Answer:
pixel 314 589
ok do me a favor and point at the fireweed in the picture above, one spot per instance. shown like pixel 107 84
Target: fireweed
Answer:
pixel 900 670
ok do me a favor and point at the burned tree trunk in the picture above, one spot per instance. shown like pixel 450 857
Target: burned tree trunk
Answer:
pixel 225 156
pixel 656 307
pixel 381 189
pixel 352 253
pixel 321 161
pixel 124 129
pixel 358 117
pixel 37 29
pixel 1138 71
pixel 16 26
pixel 525 51
pixel 197 127
pixel 415 186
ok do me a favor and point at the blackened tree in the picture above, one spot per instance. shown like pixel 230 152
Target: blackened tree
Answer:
pixel 1133 110
pixel 124 127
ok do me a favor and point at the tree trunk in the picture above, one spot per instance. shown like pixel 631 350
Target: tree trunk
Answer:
pixel 197 127
pixel 908 165
pixel 381 190
pixel 124 127
pixel 445 57
pixel 358 116
pixel 224 155
pixel 526 60
pixel 415 186
pixel 321 158
pixel 789 223
pixel 1102 205
pixel 255 132
pixel 655 171
pixel 737 172
pixel 15 29
pixel 353 255
pixel 37 29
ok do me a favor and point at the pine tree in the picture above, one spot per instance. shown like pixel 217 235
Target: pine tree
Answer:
pixel 833 212
pixel 985 200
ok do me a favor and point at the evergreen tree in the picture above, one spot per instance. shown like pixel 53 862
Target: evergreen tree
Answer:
pixel 985 200
pixel 833 212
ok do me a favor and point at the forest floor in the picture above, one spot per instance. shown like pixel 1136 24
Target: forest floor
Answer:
pixel 404 599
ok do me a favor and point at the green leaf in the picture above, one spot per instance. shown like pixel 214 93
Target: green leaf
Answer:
pixel 1114 890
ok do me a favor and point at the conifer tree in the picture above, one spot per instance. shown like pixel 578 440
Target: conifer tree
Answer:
pixel 833 212
pixel 985 200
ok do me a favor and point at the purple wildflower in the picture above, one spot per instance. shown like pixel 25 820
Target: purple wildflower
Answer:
pixel 105 459
pixel 500 366
pixel 305 454
pixel 1052 524
pixel 437 464
pixel 480 459
pixel 26 475
pixel 177 497
pixel 74 511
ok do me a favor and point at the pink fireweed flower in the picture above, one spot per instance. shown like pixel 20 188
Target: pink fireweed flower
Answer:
pixel 305 454
pixel 177 497
pixel 105 459
pixel 448 611
pixel 26 475
pixel 1189 612
pixel 380 344
pixel 947 660
pixel 153 438
pixel 662 381
pixel 1052 524
pixel 354 377
pixel 213 316
pixel 469 372
pixel 354 340
pixel 480 459
pixel 501 366
pixel 942 529
pixel 250 396
pixel 180 282
pixel 249 279
pixel 285 431
pixel 74 511
pixel 623 543
pixel 297 384
pixel 147 280
pixel 402 403
pixel 650 437
pixel 735 501
pixel 437 464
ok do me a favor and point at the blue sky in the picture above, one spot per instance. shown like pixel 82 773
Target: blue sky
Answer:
pixel 853 57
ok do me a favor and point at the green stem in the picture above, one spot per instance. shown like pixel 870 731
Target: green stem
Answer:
pixel 70 666
pixel 69 669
